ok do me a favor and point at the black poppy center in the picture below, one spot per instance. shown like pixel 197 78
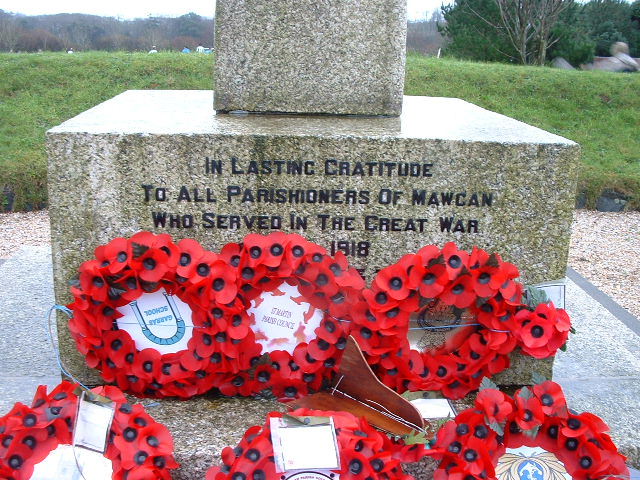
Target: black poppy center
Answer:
pixel 537 331
pixel 355 466
pixel 429 279
pixel 149 263
pixel 185 259
pixel 455 261
pixel 381 298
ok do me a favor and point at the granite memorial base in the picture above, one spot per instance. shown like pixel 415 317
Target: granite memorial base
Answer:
pixel 311 56
pixel 373 188
pixel 203 426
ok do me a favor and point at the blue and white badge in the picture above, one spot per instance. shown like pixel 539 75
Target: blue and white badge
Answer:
pixel 530 463
pixel 159 321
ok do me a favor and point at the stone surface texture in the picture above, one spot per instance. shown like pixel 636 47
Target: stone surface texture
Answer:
pixel 310 56
pixel 203 426
pixel 28 358
pixel 100 161
pixel 600 371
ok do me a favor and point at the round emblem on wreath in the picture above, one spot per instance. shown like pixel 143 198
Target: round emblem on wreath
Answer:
pixel 475 298
pixel 525 437
pixel 140 315
pixel 37 440
pixel 296 304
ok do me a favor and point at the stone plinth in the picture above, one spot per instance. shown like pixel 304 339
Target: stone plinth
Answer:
pixel 203 426
pixel 310 56
pixel 374 188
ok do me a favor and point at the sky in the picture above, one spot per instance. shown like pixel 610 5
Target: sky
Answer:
pixel 128 9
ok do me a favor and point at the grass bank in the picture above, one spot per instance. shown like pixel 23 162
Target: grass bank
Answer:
pixel 598 110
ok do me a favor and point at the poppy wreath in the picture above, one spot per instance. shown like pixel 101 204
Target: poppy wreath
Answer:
pixel 482 284
pixel 138 446
pixel 326 283
pixel 470 445
pixel 126 269
pixel 365 453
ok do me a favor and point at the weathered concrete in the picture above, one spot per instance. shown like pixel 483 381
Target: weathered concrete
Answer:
pixel 600 371
pixel 311 56
pixel 503 185
pixel 28 358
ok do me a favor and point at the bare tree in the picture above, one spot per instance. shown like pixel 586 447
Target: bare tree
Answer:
pixel 9 31
pixel 529 26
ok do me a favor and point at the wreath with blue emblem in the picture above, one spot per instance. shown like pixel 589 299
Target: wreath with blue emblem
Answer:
pixel 472 446
pixel 125 270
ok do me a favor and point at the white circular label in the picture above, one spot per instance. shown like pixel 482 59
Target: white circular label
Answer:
pixel 61 463
pixel 281 319
pixel 314 475
pixel 530 463
pixel 159 321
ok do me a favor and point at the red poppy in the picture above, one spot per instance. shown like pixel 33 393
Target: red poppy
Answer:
pixel 151 256
pixel 543 331
pixel 455 260
pixel 429 278
pixel 238 384
pixel 223 282
pixel 394 280
pixel 495 405
pixel 345 275
pixel 114 255
pixel 258 248
pixel 192 255
pixel 529 412
pixel 92 280
pixel 459 293
pixel 551 398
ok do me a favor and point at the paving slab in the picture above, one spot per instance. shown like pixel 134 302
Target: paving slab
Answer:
pixel 26 294
pixel 600 371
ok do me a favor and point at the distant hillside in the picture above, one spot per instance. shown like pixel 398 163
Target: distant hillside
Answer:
pixel 22 33
pixel 596 109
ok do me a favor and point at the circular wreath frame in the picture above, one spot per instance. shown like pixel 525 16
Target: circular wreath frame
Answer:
pixel 123 271
pixel 223 352
pixel 327 283
pixel 138 446
pixel 365 453
pixel 470 445
pixel 479 282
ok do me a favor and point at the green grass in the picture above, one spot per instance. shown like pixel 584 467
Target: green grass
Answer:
pixel 598 110
pixel 40 91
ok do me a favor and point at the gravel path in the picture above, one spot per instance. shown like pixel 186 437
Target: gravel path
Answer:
pixel 605 248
